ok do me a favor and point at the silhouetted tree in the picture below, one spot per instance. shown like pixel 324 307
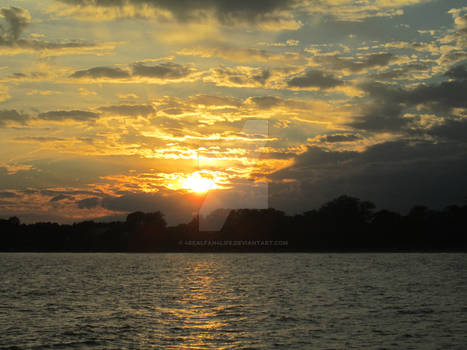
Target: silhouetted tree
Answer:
pixel 146 230
pixel 385 229
pixel 344 223
pixel 215 220
pixel 14 221
pixel 10 234
pixel 257 223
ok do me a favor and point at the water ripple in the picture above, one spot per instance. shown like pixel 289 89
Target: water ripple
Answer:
pixel 233 301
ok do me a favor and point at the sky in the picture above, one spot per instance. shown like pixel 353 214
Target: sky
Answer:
pixel 109 107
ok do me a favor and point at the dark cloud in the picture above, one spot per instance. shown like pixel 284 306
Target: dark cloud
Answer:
pixel 47 45
pixel 315 78
pixel 263 77
pixel 403 152
pixel 8 194
pixel 231 76
pixel 225 11
pixel 68 115
pixel 373 60
pixel 457 72
pixel 316 155
pixel 88 203
pixel 266 102
pixel 60 197
pixel 12 115
pixel 341 138
pixel 382 117
pixel 394 175
pixel 441 97
pixel 31 75
pixel 167 70
pixel 454 56
pixel 455 130
pixel 177 207
pixel 17 19
pixel 69 193
pixel 101 72
pixel 29 191
pixel 129 110
pixel 390 103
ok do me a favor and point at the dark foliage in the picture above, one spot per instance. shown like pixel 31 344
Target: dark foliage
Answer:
pixel 343 224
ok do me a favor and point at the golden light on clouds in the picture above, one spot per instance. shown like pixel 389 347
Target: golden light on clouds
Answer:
pixel 159 98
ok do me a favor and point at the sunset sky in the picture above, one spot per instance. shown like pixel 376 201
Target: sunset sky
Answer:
pixel 108 107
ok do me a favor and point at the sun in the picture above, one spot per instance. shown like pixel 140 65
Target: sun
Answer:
pixel 198 183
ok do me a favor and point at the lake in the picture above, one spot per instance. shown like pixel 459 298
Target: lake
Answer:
pixel 233 301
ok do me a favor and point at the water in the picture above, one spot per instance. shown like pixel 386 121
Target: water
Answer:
pixel 233 301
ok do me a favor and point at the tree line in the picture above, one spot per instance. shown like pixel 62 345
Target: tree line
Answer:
pixel 345 224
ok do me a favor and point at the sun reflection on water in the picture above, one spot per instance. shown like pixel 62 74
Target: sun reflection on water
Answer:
pixel 194 317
